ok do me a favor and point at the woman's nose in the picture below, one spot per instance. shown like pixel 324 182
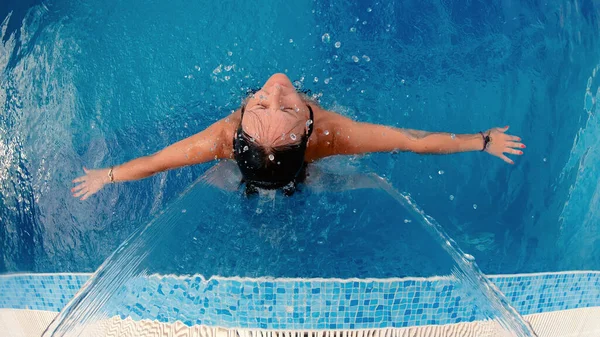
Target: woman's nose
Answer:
pixel 275 97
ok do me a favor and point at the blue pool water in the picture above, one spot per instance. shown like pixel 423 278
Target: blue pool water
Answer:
pixel 99 83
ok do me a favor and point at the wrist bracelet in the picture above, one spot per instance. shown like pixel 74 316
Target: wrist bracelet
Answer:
pixel 110 175
pixel 486 140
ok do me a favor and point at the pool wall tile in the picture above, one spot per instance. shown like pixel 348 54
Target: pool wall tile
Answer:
pixel 305 303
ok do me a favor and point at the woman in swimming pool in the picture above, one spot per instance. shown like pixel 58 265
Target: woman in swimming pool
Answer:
pixel 277 131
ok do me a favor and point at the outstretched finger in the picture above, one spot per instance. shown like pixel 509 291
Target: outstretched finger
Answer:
pixel 77 188
pixel 504 129
pixel 80 192
pixel 515 145
pixel 79 179
pixel 506 159
pixel 85 170
pixel 87 195
pixel 513 151
pixel 514 138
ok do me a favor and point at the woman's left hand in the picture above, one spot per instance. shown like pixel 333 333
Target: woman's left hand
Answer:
pixel 501 143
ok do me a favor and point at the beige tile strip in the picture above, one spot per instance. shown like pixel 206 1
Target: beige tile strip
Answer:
pixel 584 322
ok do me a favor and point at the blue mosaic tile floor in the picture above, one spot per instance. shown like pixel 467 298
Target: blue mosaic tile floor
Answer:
pixel 305 304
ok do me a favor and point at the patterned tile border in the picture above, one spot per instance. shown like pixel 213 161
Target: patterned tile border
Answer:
pixel 581 322
pixel 305 303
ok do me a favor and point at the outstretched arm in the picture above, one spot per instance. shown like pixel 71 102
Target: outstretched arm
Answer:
pixel 350 137
pixel 210 144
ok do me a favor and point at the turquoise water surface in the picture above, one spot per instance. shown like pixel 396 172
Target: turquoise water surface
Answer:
pixel 100 83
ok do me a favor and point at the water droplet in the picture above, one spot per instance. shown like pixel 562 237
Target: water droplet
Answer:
pixel 453 136
pixel 278 163
pixel 271 157
pixel 440 172
pixel 316 79
pixel 293 136
pixel 353 30
pixel 451 197
pixel 474 206
pixel 366 58
pixel 338 44
pixel 354 58
pixel 369 9
pixel 291 41
pixel 326 38
pixel 281 107
pixel 258 211
pixel 326 132
pixel 309 122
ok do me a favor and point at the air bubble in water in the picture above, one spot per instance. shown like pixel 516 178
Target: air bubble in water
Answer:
pixel 440 172
pixel 453 136
pixel 402 81
pixel 366 58
pixel 469 257
pixel 291 41
pixel 369 9
pixel 364 22
pixel 309 122
pixel 326 132
pixel 353 30
pixel 326 38
pixel 183 210
pixel 229 53
pixel 316 79
pixel 338 44
pixel 293 136
pixel 326 81
pixel 258 211
pixel 474 206
pixel 407 221
pixel 544 160
pixel 354 58
pixel 245 148
pixel 271 157
pixel 451 197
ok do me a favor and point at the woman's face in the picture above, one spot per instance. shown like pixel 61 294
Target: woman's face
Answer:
pixel 276 114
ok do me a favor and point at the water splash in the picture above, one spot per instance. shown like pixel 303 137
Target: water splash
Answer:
pixel 467 270
pixel 99 296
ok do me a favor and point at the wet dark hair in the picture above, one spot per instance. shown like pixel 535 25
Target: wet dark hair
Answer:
pixel 286 168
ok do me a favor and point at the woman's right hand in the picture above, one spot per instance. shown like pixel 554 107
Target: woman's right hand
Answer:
pixel 90 183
